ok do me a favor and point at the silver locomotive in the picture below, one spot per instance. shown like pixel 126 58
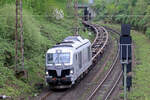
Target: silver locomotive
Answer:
pixel 67 61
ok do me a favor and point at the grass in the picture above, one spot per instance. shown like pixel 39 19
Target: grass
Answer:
pixel 141 82
pixel 114 52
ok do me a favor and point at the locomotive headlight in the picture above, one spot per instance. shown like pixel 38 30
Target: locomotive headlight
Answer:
pixel 46 72
pixel 71 71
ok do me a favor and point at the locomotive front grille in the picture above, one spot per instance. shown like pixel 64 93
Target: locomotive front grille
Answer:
pixel 65 72
pixel 52 73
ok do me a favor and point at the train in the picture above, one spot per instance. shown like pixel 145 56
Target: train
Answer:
pixel 67 62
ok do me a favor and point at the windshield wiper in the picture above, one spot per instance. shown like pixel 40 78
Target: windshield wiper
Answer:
pixel 56 60
pixel 61 61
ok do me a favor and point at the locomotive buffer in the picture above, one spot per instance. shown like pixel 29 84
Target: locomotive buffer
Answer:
pixel 126 56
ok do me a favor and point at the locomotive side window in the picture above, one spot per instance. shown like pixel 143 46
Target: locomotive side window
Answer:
pixel 76 56
pixel 50 58
pixel 80 60
pixel 89 53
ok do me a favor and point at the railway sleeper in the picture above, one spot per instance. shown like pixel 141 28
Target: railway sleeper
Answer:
pixel 99 43
pixel 105 34
pixel 104 39
pixel 95 49
pixel 93 53
pixel 99 39
pixel 94 61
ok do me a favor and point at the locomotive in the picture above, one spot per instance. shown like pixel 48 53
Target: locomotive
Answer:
pixel 67 62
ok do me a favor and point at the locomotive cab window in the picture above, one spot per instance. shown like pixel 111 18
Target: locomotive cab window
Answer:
pixel 50 58
pixel 58 58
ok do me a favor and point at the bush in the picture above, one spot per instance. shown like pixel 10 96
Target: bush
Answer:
pixel 34 42
pixel 148 32
pixel 35 45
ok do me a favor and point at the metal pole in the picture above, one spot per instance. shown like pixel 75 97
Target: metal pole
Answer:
pixel 19 30
pixel 76 16
pixel 125 81
pixel 16 37
pixel 21 35
pixel 68 3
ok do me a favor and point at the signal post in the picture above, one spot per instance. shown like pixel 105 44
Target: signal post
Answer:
pixel 126 57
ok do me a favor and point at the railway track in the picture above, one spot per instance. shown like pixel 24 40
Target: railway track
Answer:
pixel 98 46
pixel 112 78
pixel 106 83
pixel 100 42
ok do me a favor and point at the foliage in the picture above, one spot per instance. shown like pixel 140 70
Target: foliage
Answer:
pixel 141 89
pixel 40 7
pixel 35 46
pixel 134 12
pixel 148 32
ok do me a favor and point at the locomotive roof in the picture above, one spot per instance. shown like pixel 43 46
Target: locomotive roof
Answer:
pixel 73 42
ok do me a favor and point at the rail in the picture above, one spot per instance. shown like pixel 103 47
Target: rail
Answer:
pixel 98 45
pixel 108 94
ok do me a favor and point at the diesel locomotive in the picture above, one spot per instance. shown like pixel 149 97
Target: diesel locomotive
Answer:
pixel 67 62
